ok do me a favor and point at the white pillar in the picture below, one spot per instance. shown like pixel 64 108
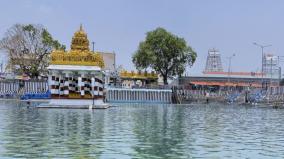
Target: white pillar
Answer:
pixel 117 94
pixel 93 86
pixel 82 93
pixel 66 84
pixel 125 95
pixel 167 95
pixel 109 95
pixel 156 95
pixel 137 95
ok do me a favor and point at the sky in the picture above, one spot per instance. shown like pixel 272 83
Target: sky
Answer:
pixel 119 25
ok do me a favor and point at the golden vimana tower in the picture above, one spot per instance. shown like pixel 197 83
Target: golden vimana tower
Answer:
pixel 79 54
pixel 80 41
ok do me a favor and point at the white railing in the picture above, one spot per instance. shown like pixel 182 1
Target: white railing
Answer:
pixel 139 95
pixel 17 87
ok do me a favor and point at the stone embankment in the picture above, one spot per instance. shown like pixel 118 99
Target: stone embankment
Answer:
pixel 17 88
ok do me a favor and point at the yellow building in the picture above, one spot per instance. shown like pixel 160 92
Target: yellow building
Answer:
pixel 138 79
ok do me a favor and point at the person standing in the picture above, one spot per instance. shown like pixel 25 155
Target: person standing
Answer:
pixel 207 97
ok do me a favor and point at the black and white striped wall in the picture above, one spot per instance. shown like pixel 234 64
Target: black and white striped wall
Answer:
pixel 68 83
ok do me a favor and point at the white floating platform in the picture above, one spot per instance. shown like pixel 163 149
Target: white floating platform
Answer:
pixel 75 104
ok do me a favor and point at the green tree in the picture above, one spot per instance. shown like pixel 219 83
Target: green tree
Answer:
pixel 28 48
pixel 165 53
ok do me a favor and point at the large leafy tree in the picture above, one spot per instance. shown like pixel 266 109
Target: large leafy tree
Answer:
pixel 165 53
pixel 28 48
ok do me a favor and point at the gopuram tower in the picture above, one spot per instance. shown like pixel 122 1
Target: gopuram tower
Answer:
pixel 213 63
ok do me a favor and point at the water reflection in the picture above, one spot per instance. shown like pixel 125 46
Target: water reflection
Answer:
pixel 141 131
pixel 160 132
pixel 35 133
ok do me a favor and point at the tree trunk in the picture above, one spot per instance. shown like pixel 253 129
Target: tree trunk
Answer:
pixel 165 79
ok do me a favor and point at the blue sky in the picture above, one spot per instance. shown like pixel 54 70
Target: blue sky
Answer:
pixel 119 25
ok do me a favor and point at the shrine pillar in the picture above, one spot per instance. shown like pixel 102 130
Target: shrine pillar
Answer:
pixel 53 80
pixel 66 83
pixel 93 86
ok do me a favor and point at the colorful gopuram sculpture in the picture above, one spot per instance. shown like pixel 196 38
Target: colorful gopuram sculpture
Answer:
pixel 76 74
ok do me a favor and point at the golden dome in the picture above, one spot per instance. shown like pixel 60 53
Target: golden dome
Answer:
pixel 80 40
pixel 79 54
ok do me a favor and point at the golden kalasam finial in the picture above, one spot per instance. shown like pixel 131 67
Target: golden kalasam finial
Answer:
pixel 81 27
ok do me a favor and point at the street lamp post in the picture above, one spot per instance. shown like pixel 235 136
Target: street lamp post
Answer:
pixel 280 59
pixel 229 68
pixel 270 83
pixel 262 59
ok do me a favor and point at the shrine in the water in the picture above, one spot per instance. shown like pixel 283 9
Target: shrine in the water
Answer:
pixel 76 74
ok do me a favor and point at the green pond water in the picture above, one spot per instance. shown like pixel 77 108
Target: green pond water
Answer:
pixel 142 131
